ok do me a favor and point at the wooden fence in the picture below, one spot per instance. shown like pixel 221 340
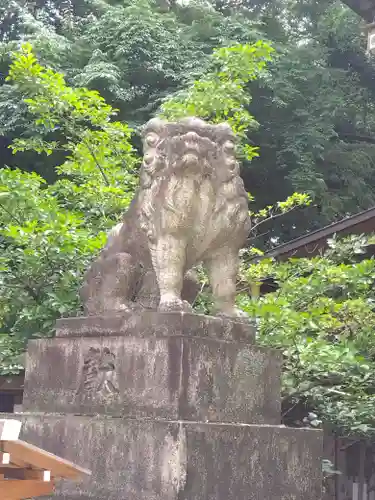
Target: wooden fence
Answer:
pixel 355 460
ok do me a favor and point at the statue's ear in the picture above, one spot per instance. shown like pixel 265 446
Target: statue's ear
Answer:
pixel 151 139
pixel 154 126
pixel 224 133
pixel 229 147
pixel 153 133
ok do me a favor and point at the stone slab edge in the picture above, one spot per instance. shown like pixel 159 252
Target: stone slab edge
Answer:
pixel 154 324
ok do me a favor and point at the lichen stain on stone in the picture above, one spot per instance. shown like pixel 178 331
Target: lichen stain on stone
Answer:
pixel 174 461
pixel 174 367
pixel 294 467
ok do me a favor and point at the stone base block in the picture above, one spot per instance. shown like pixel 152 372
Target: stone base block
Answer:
pixel 176 376
pixel 155 460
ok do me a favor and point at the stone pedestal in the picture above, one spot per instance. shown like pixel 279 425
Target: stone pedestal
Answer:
pixel 169 406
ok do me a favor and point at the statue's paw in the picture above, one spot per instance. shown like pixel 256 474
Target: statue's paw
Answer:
pixel 172 304
pixel 235 314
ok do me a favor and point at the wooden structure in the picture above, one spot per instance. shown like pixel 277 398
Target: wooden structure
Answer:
pixel 27 471
pixel 355 459
pixel 11 392
pixel 364 8
pixel 316 241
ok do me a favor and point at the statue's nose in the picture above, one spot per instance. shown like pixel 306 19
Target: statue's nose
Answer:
pixel 192 136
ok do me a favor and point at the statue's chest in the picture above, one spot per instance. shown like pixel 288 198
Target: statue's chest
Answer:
pixel 217 214
pixel 197 212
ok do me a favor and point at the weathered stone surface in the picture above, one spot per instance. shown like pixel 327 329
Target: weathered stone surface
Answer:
pixel 155 324
pixel 191 207
pixel 190 378
pixel 151 460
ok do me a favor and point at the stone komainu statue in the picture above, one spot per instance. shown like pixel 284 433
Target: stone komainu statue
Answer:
pixel 191 207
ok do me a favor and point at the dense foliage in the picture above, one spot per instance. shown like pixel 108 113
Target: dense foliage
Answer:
pixel 315 105
pixel 49 233
pixel 71 159
pixel 220 95
pixel 322 316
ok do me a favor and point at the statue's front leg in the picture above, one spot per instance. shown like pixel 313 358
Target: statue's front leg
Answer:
pixel 109 285
pixel 168 258
pixel 223 268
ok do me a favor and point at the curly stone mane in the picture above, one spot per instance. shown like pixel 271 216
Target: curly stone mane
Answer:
pixel 178 159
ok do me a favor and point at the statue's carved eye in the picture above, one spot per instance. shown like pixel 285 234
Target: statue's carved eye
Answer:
pixel 148 158
pixel 228 147
pixel 231 163
pixel 152 140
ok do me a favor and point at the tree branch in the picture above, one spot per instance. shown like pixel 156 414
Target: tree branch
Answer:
pixel 271 217
pixel 12 216
pixel 357 138
pixel 97 163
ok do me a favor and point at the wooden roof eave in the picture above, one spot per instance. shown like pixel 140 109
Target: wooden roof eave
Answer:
pixel 364 8
pixel 314 240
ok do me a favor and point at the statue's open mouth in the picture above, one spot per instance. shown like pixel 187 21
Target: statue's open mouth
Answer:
pixel 190 158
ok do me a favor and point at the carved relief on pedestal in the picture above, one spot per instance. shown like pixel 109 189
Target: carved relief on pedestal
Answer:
pixel 99 377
